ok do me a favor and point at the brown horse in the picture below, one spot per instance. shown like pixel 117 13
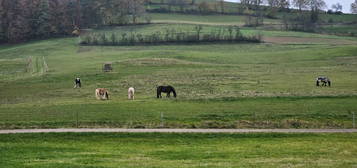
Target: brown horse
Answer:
pixel 101 94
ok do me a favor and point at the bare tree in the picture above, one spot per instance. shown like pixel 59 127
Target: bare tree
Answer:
pixel 136 9
pixel 316 4
pixel 221 4
pixel 273 4
pixel 182 4
pixel 78 17
pixel 300 4
pixel 204 7
pixel 354 7
pixel 171 3
pixel 244 4
pixel 284 4
pixel 337 7
pixel 256 18
pixel 315 7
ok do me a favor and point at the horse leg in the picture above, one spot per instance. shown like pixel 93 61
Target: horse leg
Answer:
pixel 158 94
pixel 168 94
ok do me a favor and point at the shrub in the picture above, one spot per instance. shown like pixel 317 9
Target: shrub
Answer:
pixel 222 34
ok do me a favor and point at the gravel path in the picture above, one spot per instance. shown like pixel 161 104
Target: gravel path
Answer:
pixel 178 130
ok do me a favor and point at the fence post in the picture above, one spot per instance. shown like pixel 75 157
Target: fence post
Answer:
pixel 353 120
pixel 77 118
pixel 162 119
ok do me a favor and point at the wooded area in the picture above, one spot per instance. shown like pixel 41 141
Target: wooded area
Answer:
pixel 22 20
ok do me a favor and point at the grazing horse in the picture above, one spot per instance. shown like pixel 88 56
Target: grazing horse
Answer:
pixel 324 80
pixel 101 94
pixel 165 89
pixel 131 92
pixel 77 83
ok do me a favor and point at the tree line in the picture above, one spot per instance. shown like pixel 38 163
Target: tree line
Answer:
pixel 22 20
pixel 197 35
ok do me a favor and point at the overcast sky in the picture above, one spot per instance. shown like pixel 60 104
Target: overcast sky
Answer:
pixel 346 4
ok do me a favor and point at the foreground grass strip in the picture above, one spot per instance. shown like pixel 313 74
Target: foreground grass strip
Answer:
pixel 107 150
pixel 285 112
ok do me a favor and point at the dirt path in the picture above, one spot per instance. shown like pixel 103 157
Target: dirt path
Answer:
pixel 113 130
pixel 197 23
pixel 306 40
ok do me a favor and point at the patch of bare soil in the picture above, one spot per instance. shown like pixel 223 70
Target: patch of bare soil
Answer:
pixel 159 62
pixel 196 23
pixel 306 40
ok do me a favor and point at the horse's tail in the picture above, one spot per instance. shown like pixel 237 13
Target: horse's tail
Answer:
pixel 173 91
pixel 97 94
pixel 107 95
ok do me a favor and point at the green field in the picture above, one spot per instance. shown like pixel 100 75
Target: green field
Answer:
pixel 220 85
pixel 88 150
pixel 265 85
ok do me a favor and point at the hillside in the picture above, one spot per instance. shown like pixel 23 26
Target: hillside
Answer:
pixel 219 85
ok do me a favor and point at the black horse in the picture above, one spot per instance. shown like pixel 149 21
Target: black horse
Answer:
pixel 165 89
pixel 324 80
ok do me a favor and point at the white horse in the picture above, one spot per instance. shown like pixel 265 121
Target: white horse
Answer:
pixel 101 94
pixel 131 92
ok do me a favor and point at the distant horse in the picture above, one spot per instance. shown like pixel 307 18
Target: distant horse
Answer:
pixel 165 89
pixel 131 92
pixel 324 80
pixel 77 83
pixel 101 94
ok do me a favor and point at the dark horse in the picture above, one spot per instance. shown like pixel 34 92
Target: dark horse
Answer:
pixel 165 89
pixel 324 80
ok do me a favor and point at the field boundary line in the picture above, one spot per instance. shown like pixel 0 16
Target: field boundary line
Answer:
pixel 124 130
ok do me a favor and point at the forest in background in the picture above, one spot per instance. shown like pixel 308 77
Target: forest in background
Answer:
pixel 23 20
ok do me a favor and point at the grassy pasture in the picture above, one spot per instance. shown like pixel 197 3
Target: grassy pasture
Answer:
pixel 267 85
pixel 249 76
pixel 205 19
pixel 108 150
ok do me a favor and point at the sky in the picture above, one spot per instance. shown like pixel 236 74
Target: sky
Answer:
pixel 346 4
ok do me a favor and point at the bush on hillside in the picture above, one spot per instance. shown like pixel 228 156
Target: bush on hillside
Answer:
pixel 229 34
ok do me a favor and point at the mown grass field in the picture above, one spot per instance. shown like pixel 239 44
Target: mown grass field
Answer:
pixel 106 150
pixel 266 85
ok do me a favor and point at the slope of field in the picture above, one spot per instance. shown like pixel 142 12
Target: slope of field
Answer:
pixel 205 76
pixel 267 85
pixel 204 19
pixel 88 150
